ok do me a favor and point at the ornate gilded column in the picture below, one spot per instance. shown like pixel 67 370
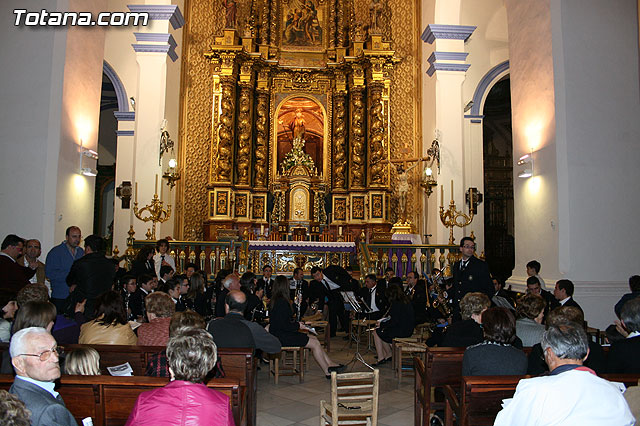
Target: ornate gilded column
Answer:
pixel 376 141
pixel 340 134
pixel 245 102
pixel 221 172
pixel 357 164
pixel 261 150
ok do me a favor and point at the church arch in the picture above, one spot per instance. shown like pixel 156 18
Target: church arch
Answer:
pixel 492 76
pixel 121 93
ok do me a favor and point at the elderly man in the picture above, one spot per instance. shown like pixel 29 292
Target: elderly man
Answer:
pixel 13 276
pixel 58 263
pixel 234 331
pixel 34 356
pixel 571 394
pixel 230 282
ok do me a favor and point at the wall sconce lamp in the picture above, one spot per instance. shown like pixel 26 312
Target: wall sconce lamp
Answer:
pixel 88 154
pixel 433 156
pixel 526 162
pixel 172 174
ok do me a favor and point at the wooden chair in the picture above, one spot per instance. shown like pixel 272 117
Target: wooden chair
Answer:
pixel 354 400
pixel 406 346
pixel 292 360
pixel 357 327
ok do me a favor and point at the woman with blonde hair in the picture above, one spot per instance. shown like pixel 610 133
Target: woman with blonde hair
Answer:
pixel 83 361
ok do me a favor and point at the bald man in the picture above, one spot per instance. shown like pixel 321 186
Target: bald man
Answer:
pixel 234 331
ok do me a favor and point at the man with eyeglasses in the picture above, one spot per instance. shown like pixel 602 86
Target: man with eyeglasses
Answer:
pixel 34 355
pixel 470 274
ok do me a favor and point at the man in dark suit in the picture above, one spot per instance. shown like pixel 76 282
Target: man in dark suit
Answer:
pixel 470 274
pixel 329 281
pixel 35 359
pixel 417 292
pixel 534 287
pixel 373 295
pixel 299 286
pixel 266 280
pixel 564 294
pixel 14 276
pixel 623 355
pixel 388 274
pixel 634 286
pixel 234 331
pixel 136 300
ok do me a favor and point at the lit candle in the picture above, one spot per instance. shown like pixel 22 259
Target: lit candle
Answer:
pixel 156 193
pixel 136 192
pixel 340 230
pixel 261 229
pixel 451 189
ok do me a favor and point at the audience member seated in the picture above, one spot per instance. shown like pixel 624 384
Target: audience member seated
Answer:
pixel 533 270
pixel 160 308
pixel 564 294
pixel 195 296
pixel 128 287
pixel 83 361
pixel 399 323
pixel 571 394
pixel 157 364
pixel 534 287
pixel 143 263
pixel 166 273
pixel 65 330
pixel 468 331
pixel 530 311
pixel 501 298
pixel 110 326
pixel 234 331
pixel 624 355
pixel 136 300
pixel 13 411
pixel 287 330
pixel 496 355
pixel 34 355
pixel 9 308
pixel 191 355
pixel 634 286
pixel 561 315
pixel 35 314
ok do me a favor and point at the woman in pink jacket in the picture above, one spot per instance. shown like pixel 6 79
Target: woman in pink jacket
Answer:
pixel 185 400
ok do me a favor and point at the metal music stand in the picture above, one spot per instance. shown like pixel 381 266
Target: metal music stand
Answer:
pixel 360 307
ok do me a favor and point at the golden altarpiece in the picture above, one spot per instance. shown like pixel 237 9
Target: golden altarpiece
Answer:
pixel 299 138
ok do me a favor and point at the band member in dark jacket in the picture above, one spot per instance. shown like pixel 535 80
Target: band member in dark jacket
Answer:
pixel 470 274
pixel 399 324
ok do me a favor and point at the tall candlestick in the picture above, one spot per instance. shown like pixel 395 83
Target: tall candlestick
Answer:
pixel 451 189
pixel 261 229
pixel 136 192
pixel 441 195
pixel 156 192
pixel 161 188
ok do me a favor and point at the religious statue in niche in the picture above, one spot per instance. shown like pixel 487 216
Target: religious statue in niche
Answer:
pixel 303 22
pixel 375 12
pixel 403 190
pixel 300 134
pixel 231 8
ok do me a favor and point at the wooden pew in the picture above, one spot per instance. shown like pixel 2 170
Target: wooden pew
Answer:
pixel 238 363
pixel 109 400
pixel 443 367
pixel 481 397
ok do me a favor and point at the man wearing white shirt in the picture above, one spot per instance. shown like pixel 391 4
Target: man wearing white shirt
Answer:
pixel 564 292
pixel 373 296
pixel 34 355
pixel 330 280
pixel 571 394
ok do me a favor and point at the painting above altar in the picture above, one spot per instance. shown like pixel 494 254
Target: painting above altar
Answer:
pixel 303 23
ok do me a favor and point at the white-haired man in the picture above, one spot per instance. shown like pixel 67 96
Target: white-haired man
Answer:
pixel 230 282
pixel 34 355
pixel 571 394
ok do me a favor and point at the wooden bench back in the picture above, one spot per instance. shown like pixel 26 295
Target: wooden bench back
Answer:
pixel 482 397
pixel 109 400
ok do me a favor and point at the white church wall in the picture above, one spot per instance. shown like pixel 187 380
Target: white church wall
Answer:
pixel 533 122
pixel 79 121
pixel 41 127
pixel 488 46
pixel 595 58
